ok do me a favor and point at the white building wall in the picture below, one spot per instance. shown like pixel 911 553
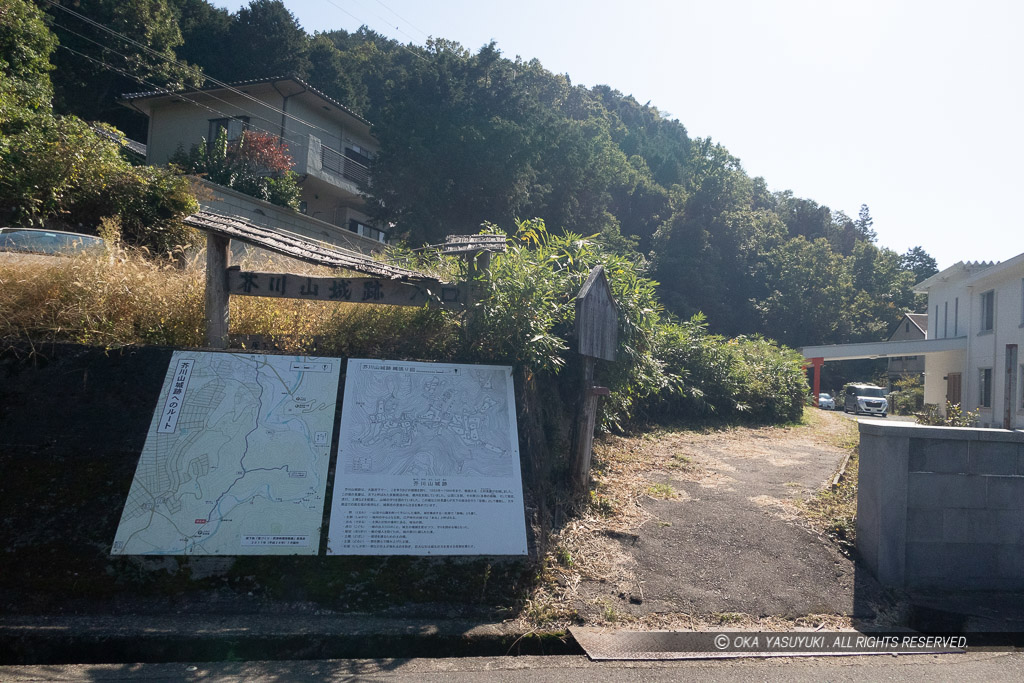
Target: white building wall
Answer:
pixel 986 349
pixel 939 366
pixel 948 306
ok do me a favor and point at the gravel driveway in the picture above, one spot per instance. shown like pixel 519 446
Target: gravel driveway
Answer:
pixel 729 542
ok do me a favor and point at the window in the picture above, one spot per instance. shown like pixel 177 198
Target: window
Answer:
pixel 907 328
pixel 936 320
pixel 234 126
pixel 945 320
pixel 1022 302
pixel 988 311
pixel 985 388
pixel 366 231
pixel 956 317
pixel 1021 385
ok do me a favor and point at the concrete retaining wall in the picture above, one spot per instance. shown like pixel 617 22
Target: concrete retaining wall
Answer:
pixel 223 200
pixel 941 507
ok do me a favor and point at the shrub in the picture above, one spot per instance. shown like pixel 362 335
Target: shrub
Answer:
pixel 60 168
pixel 908 395
pixel 770 380
pixel 954 417
pixel 256 164
pixel 749 378
pixel 527 313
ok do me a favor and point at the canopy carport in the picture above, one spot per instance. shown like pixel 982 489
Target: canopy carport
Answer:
pixel 942 356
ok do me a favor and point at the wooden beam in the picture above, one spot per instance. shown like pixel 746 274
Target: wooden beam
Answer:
pixel 359 290
pixel 217 257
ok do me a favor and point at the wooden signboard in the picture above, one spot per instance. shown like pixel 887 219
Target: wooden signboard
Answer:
pixel 597 317
pixel 597 333
pixel 461 244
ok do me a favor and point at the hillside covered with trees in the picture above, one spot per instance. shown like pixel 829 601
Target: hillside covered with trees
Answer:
pixel 472 137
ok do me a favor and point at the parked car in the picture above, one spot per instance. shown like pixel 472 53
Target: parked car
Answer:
pixel 826 402
pixel 38 241
pixel 865 398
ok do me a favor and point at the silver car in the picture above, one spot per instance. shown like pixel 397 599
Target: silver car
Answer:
pixel 865 398
pixel 35 245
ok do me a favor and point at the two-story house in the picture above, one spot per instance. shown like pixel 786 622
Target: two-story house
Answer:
pixel 330 146
pixel 975 330
pixel 983 305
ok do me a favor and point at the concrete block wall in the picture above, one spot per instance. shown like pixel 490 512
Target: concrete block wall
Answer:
pixel 941 507
pixel 226 201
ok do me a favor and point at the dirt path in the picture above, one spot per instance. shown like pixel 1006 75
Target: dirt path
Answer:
pixel 707 528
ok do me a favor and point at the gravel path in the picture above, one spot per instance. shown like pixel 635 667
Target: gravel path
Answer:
pixel 729 544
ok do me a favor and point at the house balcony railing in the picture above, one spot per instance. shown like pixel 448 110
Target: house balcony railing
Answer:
pixel 340 164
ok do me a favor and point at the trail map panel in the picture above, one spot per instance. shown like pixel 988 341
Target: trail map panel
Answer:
pixel 236 458
pixel 428 462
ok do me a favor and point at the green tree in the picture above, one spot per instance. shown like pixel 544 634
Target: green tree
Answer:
pixel 707 253
pixel 863 224
pixel 266 40
pixel 25 48
pixel 920 263
pixel 60 168
pixel 330 71
pixel 205 33
pixel 809 289
pixel 113 47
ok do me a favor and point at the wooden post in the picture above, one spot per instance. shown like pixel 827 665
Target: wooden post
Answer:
pixel 1010 386
pixel 597 328
pixel 217 258
pixel 585 428
pixel 817 364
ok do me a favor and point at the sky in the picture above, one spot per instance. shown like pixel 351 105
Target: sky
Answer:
pixel 912 107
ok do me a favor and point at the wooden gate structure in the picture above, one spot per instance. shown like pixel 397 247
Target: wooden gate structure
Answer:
pixel 389 284
pixel 596 310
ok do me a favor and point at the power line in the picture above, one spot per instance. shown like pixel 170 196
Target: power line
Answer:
pixel 142 81
pixel 388 22
pixel 182 65
pixel 422 32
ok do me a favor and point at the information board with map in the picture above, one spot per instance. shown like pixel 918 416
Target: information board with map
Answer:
pixel 236 458
pixel 428 462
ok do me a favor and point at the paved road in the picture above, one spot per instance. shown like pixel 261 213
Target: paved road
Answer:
pixel 889 418
pixel 971 667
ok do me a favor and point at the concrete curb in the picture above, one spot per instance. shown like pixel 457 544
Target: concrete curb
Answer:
pixel 109 639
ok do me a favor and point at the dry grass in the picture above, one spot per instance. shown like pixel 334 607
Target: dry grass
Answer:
pixel 110 299
pixel 124 297
pixel 833 512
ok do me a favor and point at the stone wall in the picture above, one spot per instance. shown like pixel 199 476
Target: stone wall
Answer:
pixel 941 507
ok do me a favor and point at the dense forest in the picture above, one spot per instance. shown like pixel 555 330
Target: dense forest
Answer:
pixel 472 137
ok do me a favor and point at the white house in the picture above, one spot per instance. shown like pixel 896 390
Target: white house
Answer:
pixel 330 147
pixel 975 328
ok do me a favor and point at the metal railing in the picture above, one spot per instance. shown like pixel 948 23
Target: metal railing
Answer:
pixel 336 162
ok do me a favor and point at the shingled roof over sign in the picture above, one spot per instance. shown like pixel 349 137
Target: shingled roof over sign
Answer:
pixel 296 247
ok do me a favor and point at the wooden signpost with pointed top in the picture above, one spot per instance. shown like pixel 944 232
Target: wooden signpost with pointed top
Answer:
pixel 597 330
